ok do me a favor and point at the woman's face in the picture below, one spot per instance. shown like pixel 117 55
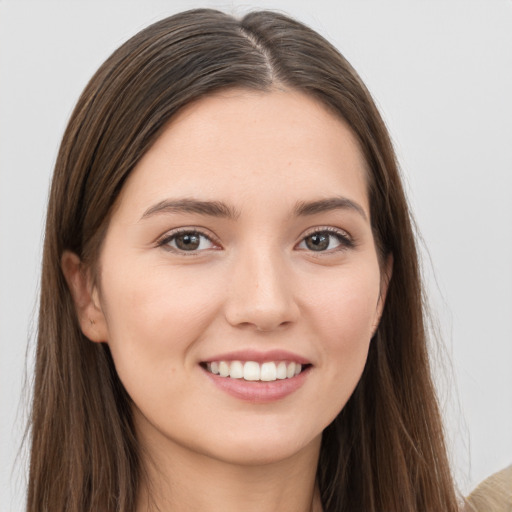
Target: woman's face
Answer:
pixel 241 244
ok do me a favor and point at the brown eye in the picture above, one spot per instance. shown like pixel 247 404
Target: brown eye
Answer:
pixel 187 241
pixel 326 241
pixel 318 241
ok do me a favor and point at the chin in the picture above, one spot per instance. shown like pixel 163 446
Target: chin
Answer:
pixel 257 450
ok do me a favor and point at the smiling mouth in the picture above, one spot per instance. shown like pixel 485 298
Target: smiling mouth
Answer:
pixel 255 372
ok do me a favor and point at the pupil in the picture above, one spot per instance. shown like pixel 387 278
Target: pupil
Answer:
pixel 317 242
pixel 187 242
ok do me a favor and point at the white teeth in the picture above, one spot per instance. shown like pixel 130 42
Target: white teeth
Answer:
pixel 268 372
pixel 214 367
pixel 236 370
pixel 281 370
pixel 252 371
pixel 223 369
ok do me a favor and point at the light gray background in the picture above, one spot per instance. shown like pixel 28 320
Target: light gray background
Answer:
pixel 441 72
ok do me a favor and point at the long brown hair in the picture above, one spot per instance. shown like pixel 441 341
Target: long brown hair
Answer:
pixel 385 450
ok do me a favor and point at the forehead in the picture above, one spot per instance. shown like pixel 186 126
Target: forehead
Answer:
pixel 249 146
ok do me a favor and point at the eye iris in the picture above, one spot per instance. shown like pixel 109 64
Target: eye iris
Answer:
pixel 188 241
pixel 317 242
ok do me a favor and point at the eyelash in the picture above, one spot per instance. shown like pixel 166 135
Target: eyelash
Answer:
pixel 183 231
pixel 344 239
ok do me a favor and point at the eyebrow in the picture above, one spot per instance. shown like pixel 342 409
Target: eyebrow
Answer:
pixel 222 210
pixel 210 208
pixel 303 208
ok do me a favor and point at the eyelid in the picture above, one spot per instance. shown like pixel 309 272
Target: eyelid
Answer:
pixel 330 229
pixel 169 235
pixel 345 238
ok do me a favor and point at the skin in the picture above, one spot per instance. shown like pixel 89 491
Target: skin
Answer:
pixel 256 285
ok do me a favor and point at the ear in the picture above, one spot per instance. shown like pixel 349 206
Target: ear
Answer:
pixel 386 273
pixel 85 296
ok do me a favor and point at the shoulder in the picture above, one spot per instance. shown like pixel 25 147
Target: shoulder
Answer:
pixel 493 495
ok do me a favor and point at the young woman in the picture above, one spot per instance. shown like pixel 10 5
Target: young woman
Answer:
pixel 231 309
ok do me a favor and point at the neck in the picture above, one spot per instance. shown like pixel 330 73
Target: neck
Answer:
pixel 180 479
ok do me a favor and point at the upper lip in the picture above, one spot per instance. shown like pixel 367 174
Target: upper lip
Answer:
pixel 259 356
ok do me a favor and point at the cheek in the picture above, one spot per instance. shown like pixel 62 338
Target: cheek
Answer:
pixel 154 316
pixel 343 311
pixel 345 305
pixel 154 319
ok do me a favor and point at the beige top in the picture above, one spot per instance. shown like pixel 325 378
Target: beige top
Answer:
pixel 493 495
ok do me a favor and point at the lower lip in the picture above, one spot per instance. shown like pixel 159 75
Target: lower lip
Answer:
pixel 257 391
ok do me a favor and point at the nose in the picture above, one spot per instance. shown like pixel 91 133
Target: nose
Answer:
pixel 261 293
